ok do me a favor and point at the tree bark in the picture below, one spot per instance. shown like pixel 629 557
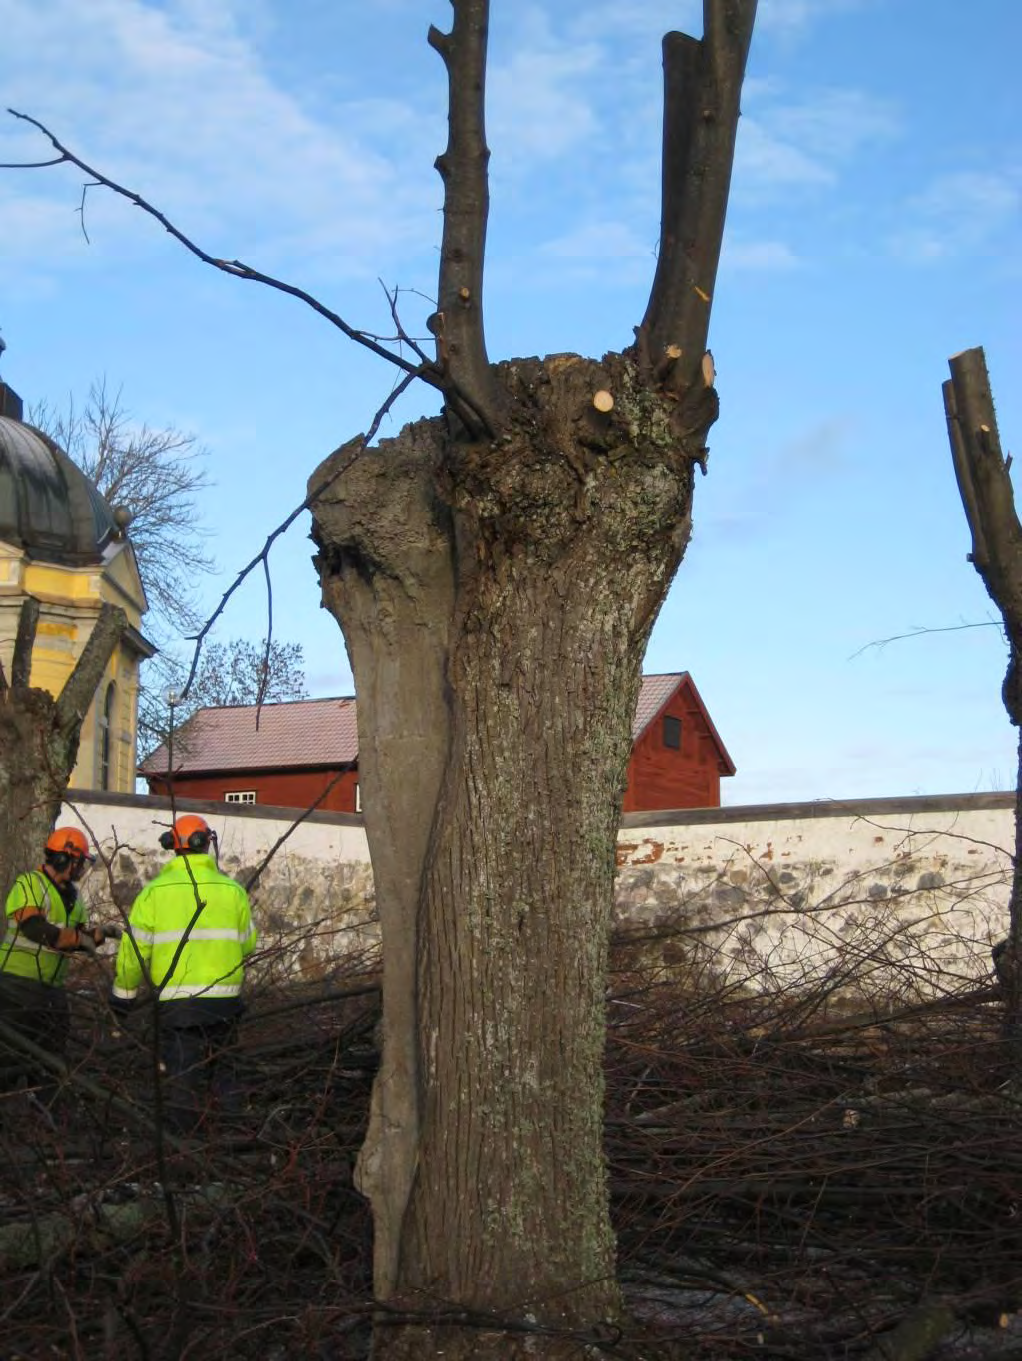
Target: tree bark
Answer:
pixel 458 321
pixel 984 481
pixel 499 597
pixel 39 738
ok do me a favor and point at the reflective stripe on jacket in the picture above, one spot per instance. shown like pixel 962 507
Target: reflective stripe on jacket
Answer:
pixel 210 943
pixel 23 958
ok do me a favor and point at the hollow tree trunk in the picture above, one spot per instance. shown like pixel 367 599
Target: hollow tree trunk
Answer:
pixel 502 594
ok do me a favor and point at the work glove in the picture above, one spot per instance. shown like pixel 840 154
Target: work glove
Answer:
pixel 87 940
pixel 111 932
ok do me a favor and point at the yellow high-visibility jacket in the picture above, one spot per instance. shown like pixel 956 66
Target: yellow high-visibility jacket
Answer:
pixel 35 894
pixel 217 937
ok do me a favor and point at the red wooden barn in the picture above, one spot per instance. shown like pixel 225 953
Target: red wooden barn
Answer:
pixel 677 755
pixel 307 750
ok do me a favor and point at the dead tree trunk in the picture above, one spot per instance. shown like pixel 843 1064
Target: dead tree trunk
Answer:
pixel 39 738
pixel 496 572
pixel 984 480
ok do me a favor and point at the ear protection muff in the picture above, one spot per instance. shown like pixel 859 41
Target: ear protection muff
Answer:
pixel 198 841
pixel 65 847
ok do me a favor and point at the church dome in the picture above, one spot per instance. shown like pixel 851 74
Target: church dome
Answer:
pixel 48 507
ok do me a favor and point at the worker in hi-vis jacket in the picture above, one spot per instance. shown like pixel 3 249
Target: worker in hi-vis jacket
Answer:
pixel 189 934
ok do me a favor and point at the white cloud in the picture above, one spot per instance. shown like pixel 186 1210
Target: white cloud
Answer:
pixel 761 256
pixel 835 124
pixel 764 160
pixel 788 17
pixel 958 212
pixel 604 250
pixel 805 143
pixel 597 242
pixel 175 103
pixel 537 107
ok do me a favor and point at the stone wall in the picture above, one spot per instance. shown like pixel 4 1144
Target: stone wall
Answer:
pixel 892 895
pixel 311 899
pixel 897 897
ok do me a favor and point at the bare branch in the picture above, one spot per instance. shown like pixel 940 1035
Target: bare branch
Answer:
pixel 702 89
pixel 356 447
pixel 461 343
pixel 880 643
pixel 81 207
pixel 429 373
pixel 81 685
pixel 28 622
pixel 402 334
pixel 256 874
pixel 32 165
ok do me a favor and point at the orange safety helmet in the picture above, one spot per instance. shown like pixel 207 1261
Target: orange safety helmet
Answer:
pixel 189 833
pixel 65 845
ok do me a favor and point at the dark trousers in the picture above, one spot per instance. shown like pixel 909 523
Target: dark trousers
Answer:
pixel 41 1014
pixel 200 1071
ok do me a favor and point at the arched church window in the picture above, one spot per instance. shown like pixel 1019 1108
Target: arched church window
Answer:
pixel 106 724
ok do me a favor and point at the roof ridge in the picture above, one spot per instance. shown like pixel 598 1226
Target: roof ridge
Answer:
pixel 275 703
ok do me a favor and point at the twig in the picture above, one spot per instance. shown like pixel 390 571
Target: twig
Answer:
pixel 920 632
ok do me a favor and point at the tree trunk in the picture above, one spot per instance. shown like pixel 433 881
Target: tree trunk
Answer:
pixel 502 594
pixel 984 481
pixel 39 739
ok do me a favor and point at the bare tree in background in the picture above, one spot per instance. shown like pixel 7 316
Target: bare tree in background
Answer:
pixel 158 475
pixel 496 572
pixel 233 672
pixel 243 672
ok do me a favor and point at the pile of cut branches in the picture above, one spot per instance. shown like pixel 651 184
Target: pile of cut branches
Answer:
pixel 788 1182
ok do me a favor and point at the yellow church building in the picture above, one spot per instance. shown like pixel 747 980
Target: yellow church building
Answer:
pixel 63 544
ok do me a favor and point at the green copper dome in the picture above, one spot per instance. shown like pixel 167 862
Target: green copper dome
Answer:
pixel 48 507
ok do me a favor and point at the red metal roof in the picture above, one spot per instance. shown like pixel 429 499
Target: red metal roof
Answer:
pixel 303 732
pixel 654 693
pixel 324 732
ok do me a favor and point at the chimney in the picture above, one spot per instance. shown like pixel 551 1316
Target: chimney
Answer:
pixel 10 403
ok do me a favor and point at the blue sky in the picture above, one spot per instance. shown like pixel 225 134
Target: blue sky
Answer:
pixel 875 229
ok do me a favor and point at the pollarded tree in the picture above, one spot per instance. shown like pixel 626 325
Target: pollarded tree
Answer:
pixel 39 737
pixel 496 572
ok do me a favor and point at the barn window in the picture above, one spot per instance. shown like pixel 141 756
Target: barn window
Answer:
pixel 240 796
pixel 672 732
